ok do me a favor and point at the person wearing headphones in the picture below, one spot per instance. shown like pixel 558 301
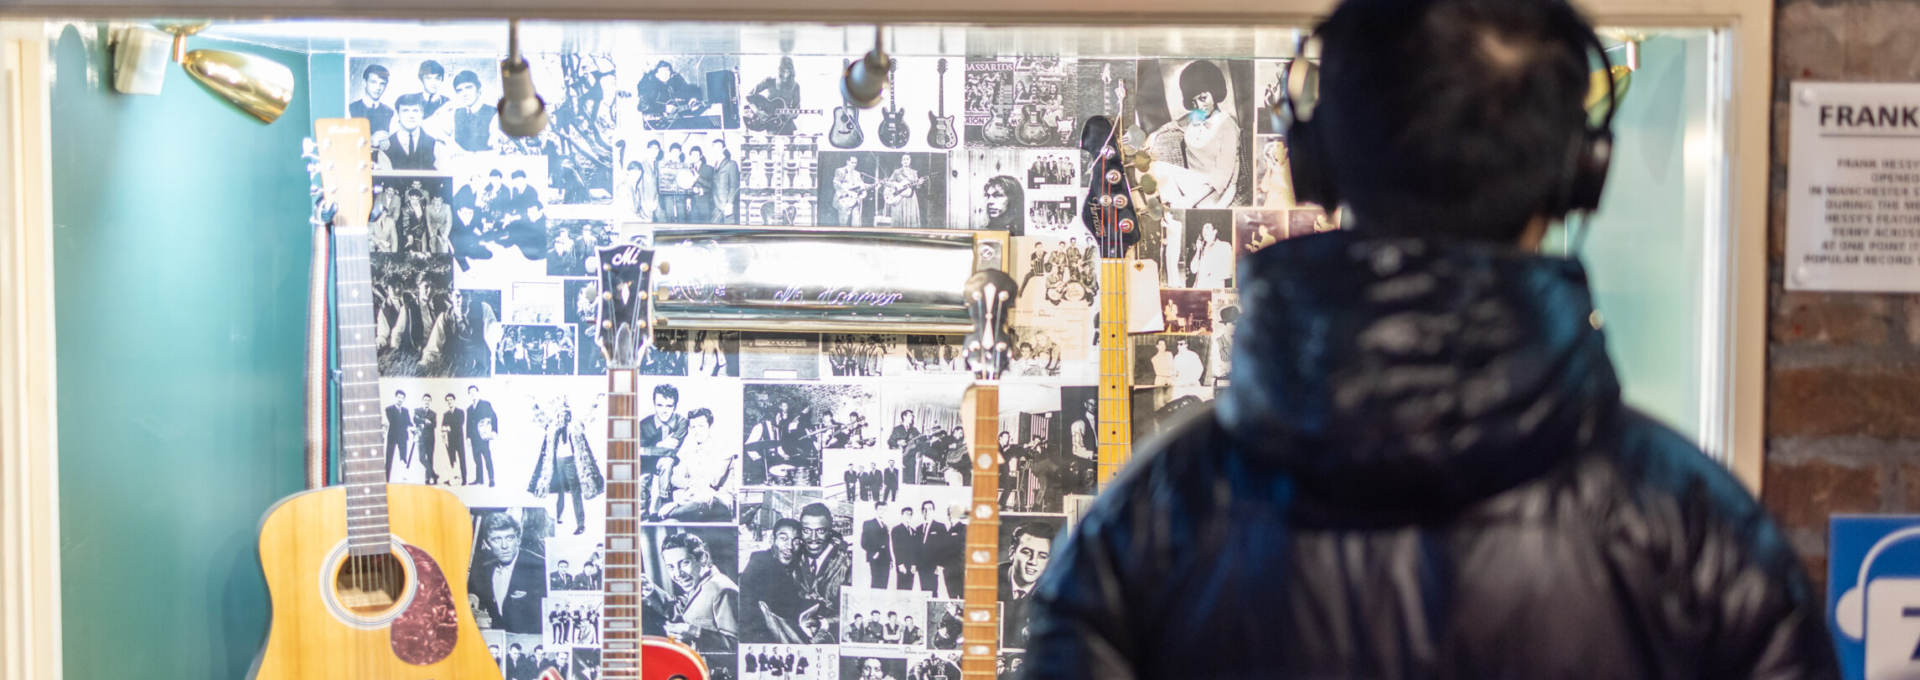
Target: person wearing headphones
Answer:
pixel 1422 467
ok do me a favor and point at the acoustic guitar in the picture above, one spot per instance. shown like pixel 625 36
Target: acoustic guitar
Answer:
pixel 987 350
pixel 1109 214
pixel 624 330
pixel 940 134
pixel 846 132
pixel 367 579
pixel 894 132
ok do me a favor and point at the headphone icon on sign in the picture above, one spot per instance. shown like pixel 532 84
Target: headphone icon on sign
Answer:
pixel 1850 613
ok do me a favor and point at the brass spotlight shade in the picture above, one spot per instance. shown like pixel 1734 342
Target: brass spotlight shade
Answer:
pixel 258 85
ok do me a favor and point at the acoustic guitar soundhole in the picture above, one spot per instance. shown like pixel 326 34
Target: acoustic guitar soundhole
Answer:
pixel 369 585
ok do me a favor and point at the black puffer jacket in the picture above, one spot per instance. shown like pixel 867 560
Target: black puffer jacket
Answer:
pixel 1422 469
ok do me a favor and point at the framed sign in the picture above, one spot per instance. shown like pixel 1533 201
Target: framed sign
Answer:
pixel 1853 176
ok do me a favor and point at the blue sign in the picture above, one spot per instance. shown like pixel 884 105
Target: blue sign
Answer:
pixel 1873 595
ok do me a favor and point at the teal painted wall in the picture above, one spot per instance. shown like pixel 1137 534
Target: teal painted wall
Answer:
pixel 180 264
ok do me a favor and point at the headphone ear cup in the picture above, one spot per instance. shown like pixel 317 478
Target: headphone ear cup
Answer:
pixel 1306 162
pixel 1589 175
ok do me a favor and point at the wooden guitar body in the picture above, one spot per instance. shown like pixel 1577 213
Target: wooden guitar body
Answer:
pixel 320 630
pixel 846 132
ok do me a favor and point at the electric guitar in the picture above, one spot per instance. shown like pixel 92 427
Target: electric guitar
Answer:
pixel 894 132
pixel 1033 129
pixel 367 579
pixel 1109 214
pixel 846 132
pixel 624 331
pixel 940 133
pixel 989 294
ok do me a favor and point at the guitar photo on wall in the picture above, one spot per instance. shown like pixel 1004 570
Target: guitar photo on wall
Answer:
pixel 687 92
pixel 1019 101
pixel 883 189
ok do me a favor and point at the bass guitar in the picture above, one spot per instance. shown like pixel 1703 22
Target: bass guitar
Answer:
pixel 367 579
pixel 940 133
pixel 987 349
pixel 1109 214
pixel 846 132
pixel 623 329
pixel 894 132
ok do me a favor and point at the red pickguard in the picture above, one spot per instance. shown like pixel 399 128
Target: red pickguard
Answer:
pixel 426 631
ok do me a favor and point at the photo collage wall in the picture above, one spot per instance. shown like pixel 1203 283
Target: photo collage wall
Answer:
pixel 805 493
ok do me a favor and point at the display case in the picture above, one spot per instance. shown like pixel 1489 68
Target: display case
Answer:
pixel 180 259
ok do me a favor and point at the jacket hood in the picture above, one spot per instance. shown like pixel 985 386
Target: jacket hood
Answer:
pixel 1411 376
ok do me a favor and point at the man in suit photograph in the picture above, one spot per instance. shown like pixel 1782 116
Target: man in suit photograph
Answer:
pixel 562 578
pixel 519 666
pixel 453 426
pixel 951 555
pixel 427 423
pixel 932 538
pixel 1027 553
pixel 432 76
pixel 706 616
pixel 890 489
pixel 875 540
pixel 399 422
pixel 511 581
pixel 409 147
pixel 373 85
pixel 726 185
pixel 482 427
pixel 907 544
pixel 473 119
pixel 662 433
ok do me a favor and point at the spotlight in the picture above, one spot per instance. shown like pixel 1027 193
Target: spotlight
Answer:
pixel 866 79
pixel 522 112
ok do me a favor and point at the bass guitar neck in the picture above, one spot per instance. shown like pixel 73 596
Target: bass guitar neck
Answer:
pixel 1116 370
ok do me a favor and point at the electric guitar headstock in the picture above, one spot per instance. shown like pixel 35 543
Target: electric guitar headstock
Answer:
pixel 1108 211
pixel 989 346
pixel 626 304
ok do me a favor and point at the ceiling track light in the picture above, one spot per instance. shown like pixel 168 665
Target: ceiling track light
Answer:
pixel 865 80
pixel 522 112
pixel 257 85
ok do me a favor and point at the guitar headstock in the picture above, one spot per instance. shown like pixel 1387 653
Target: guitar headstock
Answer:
pixel 1108 211
pixel 989 346
pixel 943 66
pixel 626 304
pixel 343 163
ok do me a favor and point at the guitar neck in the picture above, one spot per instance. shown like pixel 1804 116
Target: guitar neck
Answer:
pixel 1116 370
pixel 620 617
pixel 980 633
pixel 363 420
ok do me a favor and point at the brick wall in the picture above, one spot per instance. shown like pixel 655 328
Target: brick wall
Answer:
pixel 1843 384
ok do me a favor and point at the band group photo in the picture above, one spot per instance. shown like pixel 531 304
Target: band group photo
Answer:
pixel 882 189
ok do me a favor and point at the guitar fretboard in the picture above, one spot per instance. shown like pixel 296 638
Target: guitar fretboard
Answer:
pixel 362 416
pixel 620 617
pixel 1116 370
pixel 980 633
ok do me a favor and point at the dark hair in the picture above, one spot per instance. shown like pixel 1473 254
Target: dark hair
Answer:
pixel 702 412
pixel 519 174
pixel 466 78
pixel 787 522
pixel 1202 76
pixel 688 542
pixel 1015 218
pixel 1041 530
pixel 432 68
pixel 399 393
pixel 412 99
pixel 1451 117
pixel 375 70
pixel 817 510
pixel 668 391
pixel 499 521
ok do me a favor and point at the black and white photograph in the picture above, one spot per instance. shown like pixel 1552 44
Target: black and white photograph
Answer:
pixel 586 100
pixel 914 541
pixel 424 110
pixel 778 179
pixel 1023 191
pixel 1056 272
pixel 1226 317
pixel 688 92
pixel 1254 229
pixel 566 464
pixel 1175 359
pixel 787 95
pixel 586 663
pixel 574 563
pixel 1048 442
pixel 589 359
pixel 536 350
pixel 675 177
pixel 1042 351
pixel 788 662
pixel 946 623
pixel 415 216
pixel 862 476
pixel 689 586
pixel 1206 249
pixel 1269 76
pixel 516 653
pixel 537 302
pixel 859 355
pixel 932 355
pixel 1100 86
pixel 1020 101
pixel 1155 407
pixel 790 425
pixel 1052 168
pixel 882 189
pixel 583 300
pixel 571 618
pixel 872 664
pixel 941 666
pixel 1198 118
pixel 573 246
pixel 500 216
pixel 412 309
pixel 1026 544
pixel 1011 666
pixel 780 356
pixel 507 585
pixel 790 588
pixel 1187 311
pixel 883 617
pixel 689 462
pixel 1272 173
pixel 438 432
pixel 924 432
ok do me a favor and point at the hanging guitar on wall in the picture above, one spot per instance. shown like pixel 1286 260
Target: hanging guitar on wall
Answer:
pixel 987 349
pixel 894 132
pixel 940 134
pixel 846 132
pixel 1109 214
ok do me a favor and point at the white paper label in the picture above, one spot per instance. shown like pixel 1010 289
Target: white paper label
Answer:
pixel 1853 187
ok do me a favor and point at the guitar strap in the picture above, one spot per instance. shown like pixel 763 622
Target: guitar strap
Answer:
pixel 319 377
